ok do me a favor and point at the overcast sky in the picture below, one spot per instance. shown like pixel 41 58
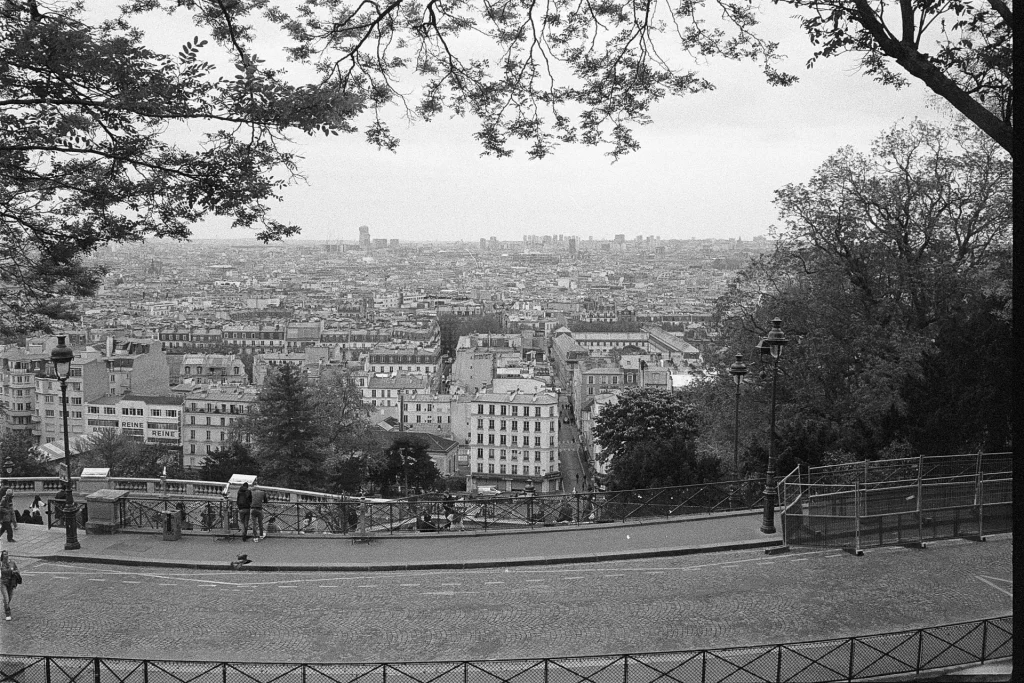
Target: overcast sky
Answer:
pixel 708 165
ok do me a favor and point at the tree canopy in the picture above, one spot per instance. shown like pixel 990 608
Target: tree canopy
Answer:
pixel 891 275
pixel 648 439
pixel 105 139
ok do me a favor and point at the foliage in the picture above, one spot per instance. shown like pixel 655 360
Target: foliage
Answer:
pixel 405 463
pixel 341 413
pixel 233 458
pixel 286 434
pixel 648 438
pixel 643 414
pixel 962 50
pixel 883 262
pixel 19 446
pixel 656 463
pixel 127 456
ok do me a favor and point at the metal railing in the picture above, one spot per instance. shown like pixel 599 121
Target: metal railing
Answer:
pixel 471 513
pixel 821 661
pixel 894 502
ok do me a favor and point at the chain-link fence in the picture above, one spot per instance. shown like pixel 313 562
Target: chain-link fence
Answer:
pixel 891 502
pixel 839 659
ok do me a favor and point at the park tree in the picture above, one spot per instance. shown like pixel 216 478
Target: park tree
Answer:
pixel 648 437
pixel 232 458
pixel 882 262
pixel 286 434
pixel 342 414
pixel 105 139
pixel 19 447
pixel 126 456
pixel 655 463
pixel 404 462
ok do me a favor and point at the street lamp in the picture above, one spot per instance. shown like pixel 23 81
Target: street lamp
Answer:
pixel 738 370
pixel 61 358
pixel 772 344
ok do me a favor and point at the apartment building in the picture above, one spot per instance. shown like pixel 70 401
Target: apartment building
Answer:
pixel 514 438
pixel 150 419
pixel 87 382
pixel 18 371
pixel 211 368
pixel 210 414
pixel 408 358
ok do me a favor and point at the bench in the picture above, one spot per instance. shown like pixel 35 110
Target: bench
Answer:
pixel 362 538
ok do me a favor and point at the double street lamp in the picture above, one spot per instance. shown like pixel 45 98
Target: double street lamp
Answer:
pixel 61 358
pixel 772 345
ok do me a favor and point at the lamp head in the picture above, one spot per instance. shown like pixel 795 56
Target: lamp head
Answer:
pixel 775 340
pixel 61 358
pixel 738 369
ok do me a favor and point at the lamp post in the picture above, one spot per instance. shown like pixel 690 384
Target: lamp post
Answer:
pixel 61 358
pixel 772 344
pixel 738 370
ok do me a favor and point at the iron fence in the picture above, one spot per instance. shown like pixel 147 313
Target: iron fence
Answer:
pixel 55 514
pixel 471 513
pixel 908 501
pixel 822 661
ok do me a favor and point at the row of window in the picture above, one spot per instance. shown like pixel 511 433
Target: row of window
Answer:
pixel 515 469
pixel 502 440
pixel 515 425
pixel 515 410
pixel 503 455
pixel 136 412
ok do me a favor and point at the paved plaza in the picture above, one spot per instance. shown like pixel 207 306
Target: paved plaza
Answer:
pixel 678 601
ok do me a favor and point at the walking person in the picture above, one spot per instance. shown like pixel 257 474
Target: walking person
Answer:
pixel 258 498
pixel 244 502
pixel 9 578
pixel 7 515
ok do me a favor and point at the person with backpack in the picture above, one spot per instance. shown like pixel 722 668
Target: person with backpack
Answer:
pixel 244 501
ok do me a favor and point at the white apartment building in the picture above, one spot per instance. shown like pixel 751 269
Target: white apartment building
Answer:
pixel 210 416
pixel 513 438
pixel 150 419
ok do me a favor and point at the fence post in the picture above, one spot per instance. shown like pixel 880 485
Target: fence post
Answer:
pixel 778 666
pixel 625 668
pixel 920 500
pixel 856 517
pixel 981 507
pixel 984 639
pixel 920 642
pixel 853 642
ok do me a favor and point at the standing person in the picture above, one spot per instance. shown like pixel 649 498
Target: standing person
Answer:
pixel 7 515
pixel 244 501
pixel 258 498
pixel 9 578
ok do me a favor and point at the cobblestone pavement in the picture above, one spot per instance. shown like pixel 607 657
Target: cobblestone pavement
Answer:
pixel 702 601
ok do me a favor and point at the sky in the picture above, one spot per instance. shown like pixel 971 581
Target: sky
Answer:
pixel 707 168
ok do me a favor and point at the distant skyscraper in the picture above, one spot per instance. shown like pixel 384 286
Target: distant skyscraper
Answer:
pixel 364 237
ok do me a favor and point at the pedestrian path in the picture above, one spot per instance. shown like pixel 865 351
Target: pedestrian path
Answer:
pixel 448 550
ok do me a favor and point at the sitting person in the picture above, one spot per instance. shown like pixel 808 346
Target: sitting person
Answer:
pixel 272 527
pixel 37 518
pixel 425 523
pixel 308 524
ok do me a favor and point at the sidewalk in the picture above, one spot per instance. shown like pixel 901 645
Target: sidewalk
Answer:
pixel 446 550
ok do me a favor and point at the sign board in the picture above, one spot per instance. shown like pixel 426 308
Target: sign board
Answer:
pixel 235 482
pixel 95 472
